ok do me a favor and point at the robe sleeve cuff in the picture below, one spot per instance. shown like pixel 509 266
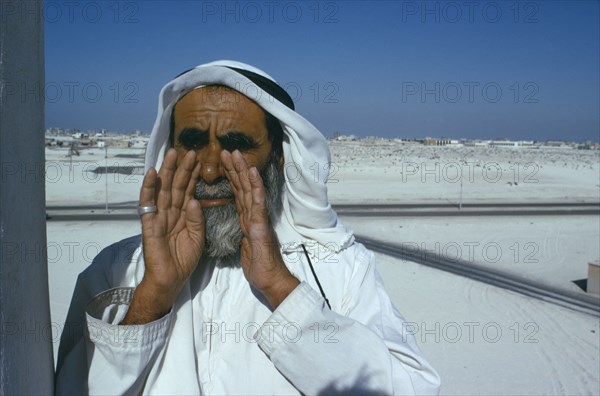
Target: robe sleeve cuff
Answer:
pixel 291 316
pixel 108 309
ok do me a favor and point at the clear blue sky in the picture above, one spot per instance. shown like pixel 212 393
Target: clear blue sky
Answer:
pixel 506 69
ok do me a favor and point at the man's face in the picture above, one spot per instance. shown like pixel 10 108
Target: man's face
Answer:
pixel 214 118
pixel 209 120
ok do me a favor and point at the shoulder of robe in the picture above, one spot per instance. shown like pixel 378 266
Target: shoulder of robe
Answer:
pixel 361 259
pixel 351 264
pixel 113 264
pixel 355 257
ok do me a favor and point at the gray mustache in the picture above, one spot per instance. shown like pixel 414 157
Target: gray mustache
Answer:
pixel 213 191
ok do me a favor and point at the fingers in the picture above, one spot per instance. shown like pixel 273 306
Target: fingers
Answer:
pixel 233 178
pixel 175 182
pixel 194 219
pixel 182 179
pixel 231 172
pixel 191 187
pixel 165 175
pixel 236 171
pixel 170 188
pixel 148 187
pixel 258 189
pixel 147 191
pixel 246 184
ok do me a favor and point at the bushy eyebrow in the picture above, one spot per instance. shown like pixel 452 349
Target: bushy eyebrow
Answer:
pixel 237 140
pixel 231 140
pixel 193 137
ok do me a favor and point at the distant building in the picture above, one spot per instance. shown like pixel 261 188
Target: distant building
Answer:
pixel 556 143
pixel 54 131
pixel 136 143
pixel 436 142
pixel 119 143
pixel 503 143
pixel 476 143
pixel 80 135
pixel 588 145
pixel 346 138
pixel 511 143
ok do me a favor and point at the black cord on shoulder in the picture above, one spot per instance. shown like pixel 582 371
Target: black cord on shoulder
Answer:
pixel 315 276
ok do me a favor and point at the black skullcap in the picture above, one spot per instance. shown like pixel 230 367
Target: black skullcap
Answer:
pixel 267 85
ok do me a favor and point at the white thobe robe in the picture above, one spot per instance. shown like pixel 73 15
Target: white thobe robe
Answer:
pixel 221 337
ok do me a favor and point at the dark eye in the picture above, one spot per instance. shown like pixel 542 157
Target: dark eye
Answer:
pixel 192 140
pixel 194 145
pixel 238 141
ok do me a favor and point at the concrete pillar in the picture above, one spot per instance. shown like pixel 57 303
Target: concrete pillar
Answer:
pixel 593 281
pixel 26 360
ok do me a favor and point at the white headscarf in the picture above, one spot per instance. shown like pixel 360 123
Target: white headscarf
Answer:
pixel 307 214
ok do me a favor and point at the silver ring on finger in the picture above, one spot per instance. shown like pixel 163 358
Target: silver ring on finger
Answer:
pixel 142 210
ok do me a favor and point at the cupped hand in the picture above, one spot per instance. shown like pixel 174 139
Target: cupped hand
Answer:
pixel 261 259
pixel 172 237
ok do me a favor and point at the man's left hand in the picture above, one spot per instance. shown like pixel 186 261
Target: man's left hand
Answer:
pixel 261 259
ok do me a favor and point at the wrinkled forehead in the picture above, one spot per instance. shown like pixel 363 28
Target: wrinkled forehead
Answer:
pixel 215 96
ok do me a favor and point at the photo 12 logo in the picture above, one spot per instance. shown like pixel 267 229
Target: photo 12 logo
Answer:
pixel 473 251
pixel 35 331
pixel 469 172
pixel 70 12
pixel 70 91
pixel 469 92
pixel 269 11
pixel 471 332
pixel 316 91
pixel 70 172
pixel 252 332
pixel 470 12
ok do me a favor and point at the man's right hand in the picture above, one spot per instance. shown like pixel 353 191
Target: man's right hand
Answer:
pixel 172 237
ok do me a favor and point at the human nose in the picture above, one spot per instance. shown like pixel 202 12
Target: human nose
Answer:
pixel 210 158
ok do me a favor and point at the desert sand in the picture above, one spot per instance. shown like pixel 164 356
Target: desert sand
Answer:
pixel 482 339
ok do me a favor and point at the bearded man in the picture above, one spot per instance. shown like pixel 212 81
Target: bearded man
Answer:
pixel 243 280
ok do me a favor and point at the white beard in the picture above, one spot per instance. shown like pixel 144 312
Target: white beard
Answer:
pixel 222 223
